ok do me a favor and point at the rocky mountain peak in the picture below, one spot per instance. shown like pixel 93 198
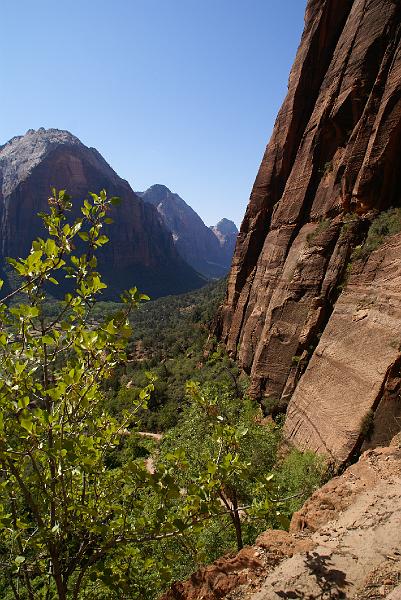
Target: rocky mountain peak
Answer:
pixel 226 232
pixel 141 251
pixel 165 200
pixel 200 246
pixel 225 226
pixel 20 155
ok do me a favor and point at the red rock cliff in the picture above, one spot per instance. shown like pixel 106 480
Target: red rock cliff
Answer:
pixel 333 162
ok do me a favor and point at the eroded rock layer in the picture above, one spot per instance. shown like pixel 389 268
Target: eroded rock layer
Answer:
pixel 355 370
pixel 333 163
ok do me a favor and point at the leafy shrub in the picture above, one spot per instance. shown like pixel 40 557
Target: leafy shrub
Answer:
pixel 272 488
pixel 387 223
pixel 321 226
pixel 299 474
pixel 367 425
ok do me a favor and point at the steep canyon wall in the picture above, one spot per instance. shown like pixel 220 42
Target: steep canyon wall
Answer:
pixel 315 333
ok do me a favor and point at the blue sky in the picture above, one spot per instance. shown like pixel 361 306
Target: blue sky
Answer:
pixel 180 92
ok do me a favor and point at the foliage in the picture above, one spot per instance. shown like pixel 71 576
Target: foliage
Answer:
pixel 169 340
pixel 322 225
pixel 67 510
pixel 327 168
pixel 387 223
pixel 262 492
pixel 367 425
pixel 79 512
pixel 169 336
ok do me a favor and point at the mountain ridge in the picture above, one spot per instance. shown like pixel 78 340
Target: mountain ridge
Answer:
pixel 197 244
pixel 141 251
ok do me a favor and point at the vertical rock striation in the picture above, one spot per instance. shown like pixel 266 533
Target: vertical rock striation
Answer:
pixel 333 162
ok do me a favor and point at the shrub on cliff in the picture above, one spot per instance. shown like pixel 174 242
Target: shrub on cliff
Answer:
pixel 262 492
pixel 387 223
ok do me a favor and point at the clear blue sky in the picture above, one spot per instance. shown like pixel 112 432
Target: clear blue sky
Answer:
pixel 180 92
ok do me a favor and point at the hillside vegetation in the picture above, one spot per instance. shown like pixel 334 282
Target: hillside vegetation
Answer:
pixel 91 504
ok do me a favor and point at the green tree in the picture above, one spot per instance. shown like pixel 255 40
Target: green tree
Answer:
pixel 254 486
pixel 63 510
pixel 220 435
pixel 77 515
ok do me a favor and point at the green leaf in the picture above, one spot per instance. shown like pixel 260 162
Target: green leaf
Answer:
pixel 26 423
pixel 101 240
pixel 23 402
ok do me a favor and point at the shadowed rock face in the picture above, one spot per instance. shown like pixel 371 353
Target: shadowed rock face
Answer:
pixel 199 245
pixel 333 162
pixel 141 251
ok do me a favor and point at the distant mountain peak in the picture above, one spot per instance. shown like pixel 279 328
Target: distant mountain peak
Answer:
pixel 142 251
pixel 226 232
pixel 159 194
pixel 202 247
pixel 159 188
pixel 225 226
pixel 20 155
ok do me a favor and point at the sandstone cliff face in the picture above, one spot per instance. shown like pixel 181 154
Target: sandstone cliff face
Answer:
pixel 355 368
pixel 141 251
pixel 333 161
pixel 198 245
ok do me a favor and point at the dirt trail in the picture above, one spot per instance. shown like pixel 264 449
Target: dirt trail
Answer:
pixel 155 436
pixel 348 550
pixel 357 554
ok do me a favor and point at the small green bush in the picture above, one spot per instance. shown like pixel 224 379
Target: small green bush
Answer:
pixel 327 168
pixel 321 226
pixel 367 425
pixel 387 223
pixel 299 475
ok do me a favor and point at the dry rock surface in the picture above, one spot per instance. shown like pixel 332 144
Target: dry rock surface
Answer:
pixel 355 368
pixel 344 543
pixel 332 165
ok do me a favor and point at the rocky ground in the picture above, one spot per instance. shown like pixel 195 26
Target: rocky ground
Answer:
pixel 344 543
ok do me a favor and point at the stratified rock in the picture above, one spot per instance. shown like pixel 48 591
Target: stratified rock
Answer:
pixel 350 390
pixel 195 242
pixel 333 162
pixel 141 251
